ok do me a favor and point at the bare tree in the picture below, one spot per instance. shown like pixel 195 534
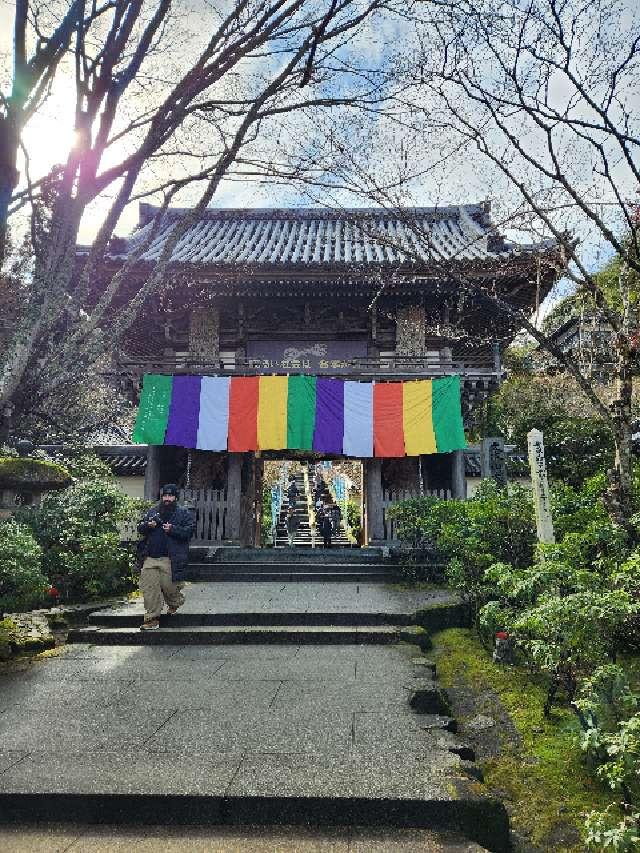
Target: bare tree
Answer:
pixel 257 65
pixel 536 103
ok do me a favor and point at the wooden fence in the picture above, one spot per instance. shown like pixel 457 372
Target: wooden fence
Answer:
pixel 392 496
pixel 211 511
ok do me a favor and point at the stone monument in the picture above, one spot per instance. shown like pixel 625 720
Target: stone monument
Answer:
pixel 540 485
pixel 493 460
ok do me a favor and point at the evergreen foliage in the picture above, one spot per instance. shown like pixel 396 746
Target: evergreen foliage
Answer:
pixel 571 609
pixel 22 582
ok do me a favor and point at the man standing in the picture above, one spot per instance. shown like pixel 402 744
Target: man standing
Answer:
pixel 167 529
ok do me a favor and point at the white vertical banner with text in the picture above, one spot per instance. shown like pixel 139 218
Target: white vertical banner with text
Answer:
pixel 540 483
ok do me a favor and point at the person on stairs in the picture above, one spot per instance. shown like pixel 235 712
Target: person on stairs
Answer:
pixel 292 525
pixel 336 515
pixel 326 529
pixel 167 529
pixel 292 493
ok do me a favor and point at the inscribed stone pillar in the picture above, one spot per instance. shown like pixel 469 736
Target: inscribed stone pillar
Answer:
pixel 152 473
pixel 373 486
pixel 234 471
pixel 492 460
pixel 540 484
pixel 458 479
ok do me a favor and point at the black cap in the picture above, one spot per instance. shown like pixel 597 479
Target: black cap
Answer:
pixel 169 489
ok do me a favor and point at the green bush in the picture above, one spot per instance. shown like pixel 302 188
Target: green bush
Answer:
pixel 265 520
pixel 496 525
pixel 354 519
pixel 22 582
pixel 608 713
pixel 78 530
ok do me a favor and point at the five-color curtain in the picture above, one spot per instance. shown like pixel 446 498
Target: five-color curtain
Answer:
pixel 330 416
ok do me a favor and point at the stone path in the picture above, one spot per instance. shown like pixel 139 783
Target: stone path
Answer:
pixel 286 734
pixel 294 597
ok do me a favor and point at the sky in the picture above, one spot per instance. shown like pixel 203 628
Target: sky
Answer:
pixel 462 179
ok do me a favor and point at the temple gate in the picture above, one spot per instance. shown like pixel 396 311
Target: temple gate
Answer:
pixel 350 294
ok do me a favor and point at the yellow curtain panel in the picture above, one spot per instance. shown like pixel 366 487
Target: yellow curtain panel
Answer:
pixel 419 436
pixel 272 412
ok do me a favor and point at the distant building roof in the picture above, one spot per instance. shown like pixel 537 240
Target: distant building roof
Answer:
pixel 125 460
pixel 325 237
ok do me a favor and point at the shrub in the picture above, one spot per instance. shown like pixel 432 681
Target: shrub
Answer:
pixel 605 831
pixel 78 530
pixel 607 710
pixel 495 525
pixel 566 637
pixel 22 583
pixel 354 519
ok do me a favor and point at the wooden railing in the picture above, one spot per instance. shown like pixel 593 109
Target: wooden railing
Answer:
pixel 211 511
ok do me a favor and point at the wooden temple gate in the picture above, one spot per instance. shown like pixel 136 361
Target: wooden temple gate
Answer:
pixel 279 291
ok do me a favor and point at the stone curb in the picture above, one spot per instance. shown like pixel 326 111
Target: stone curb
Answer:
pixel 484 821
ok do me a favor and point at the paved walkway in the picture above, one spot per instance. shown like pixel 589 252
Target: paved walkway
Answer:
pixel 296 597
pixel 223 720
pixel 242 734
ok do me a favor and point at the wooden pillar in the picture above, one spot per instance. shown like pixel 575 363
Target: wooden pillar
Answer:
pixel 152 473
pixel 373 498
pixel 458 479
pixel 234 469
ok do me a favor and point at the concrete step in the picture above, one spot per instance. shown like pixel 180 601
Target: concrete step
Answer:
pixel 292 568
pixel 223 574
pixel 472 820
pixel 112 619
pixel 207 635
pixel 217 554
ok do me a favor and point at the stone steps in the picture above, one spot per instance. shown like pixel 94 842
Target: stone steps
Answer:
pixel 299 556
pixel 265 731
pixel 205 635
pixel 181 619
pixel 482 821
pixel 289 576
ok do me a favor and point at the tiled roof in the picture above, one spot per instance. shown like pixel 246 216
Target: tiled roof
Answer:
pixel 269 237
pixel 125 461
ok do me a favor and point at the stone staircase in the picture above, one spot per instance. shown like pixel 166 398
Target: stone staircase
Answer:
pixel 357 565
pixel 303 537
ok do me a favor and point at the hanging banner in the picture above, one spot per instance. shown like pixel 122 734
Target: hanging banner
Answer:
pixel 329 416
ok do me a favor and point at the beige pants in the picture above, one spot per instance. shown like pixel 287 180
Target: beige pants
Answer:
pixel 156 584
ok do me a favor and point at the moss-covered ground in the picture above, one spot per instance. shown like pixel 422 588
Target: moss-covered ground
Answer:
pixel 540 774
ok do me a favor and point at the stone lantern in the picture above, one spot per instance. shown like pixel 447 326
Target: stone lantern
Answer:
pixel 23 481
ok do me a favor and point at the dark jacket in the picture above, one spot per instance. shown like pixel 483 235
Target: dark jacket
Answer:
pixel 325 526
pixel 182 527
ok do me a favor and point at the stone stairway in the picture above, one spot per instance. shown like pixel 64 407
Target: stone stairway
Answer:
pixel 316 565
pixel 303 537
